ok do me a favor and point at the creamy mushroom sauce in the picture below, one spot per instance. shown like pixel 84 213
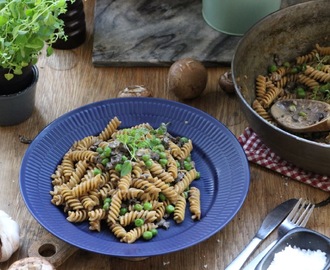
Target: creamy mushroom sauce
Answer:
pixel 299 115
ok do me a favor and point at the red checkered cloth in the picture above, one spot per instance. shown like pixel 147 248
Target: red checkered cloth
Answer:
pixel 257 152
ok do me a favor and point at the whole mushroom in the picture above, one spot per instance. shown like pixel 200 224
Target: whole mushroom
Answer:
pixel 187 78
pixel 226 82
pixel 9 236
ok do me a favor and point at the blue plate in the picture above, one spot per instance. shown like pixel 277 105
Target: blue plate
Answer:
pixel 224 182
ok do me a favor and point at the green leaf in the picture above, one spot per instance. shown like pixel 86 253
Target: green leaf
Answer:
pixel 49 51
pixel 18 71
pixel 9 76
pixel 14 10
pixel 29 12
pixel 3 20
pixel 126 168
pixel 15 31
pixel 21 40
pixel 24 64
pixel 50 20
pixel 34 61
pixel 35 43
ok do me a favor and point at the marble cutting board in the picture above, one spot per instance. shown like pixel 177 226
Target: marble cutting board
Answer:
pixel 157 33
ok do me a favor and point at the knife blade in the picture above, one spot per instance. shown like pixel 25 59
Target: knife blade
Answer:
pixel 270 223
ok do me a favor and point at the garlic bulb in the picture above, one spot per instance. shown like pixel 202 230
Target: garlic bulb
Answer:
pixel 9 236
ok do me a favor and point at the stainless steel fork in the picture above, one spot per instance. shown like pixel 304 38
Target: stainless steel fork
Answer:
pixel 298 217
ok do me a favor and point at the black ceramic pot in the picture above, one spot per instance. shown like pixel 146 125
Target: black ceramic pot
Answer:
pixel 17 107
pixel 16 84
pixel 74 26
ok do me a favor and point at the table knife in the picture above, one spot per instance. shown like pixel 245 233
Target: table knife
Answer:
pixel 253 264
pixel 270 223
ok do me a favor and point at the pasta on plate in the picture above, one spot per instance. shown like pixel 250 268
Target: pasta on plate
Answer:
pixel 131 179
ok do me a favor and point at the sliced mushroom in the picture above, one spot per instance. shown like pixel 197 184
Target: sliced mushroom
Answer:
pixel 135 91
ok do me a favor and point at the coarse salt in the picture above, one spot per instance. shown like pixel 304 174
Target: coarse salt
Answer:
pixel 294 258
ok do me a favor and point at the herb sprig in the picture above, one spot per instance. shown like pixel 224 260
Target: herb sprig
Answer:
pixel 25 27
pixel 140 138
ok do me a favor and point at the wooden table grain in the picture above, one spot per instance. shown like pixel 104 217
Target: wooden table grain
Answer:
pixel 67 81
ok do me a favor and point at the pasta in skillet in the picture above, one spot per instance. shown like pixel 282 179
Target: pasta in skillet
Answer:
pixel 306 77
pixel 130 179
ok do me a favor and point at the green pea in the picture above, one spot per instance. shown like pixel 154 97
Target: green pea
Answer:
pixel 169 209
pixel 154 232
pixel 159 148
pixel 162 155
pixel 162 129
pixel 102 155
pixel 184 139
pixel 138 222
pixel 107 200
pixel 286 64
pixel 198 175
pixel 106 206
pixel 145 157
pixel 161 197
pixel 294 70
pixel 105 161
pixel 163 162
pixel 96 171
pixel 123 211
pixel 292 108
pixel 149 163
pixel 107 151
pixel 138 207
pixel 272 68
pixel 300 92
pixel 187 165
pixel 147 206
pixel 124 158
pixel 99 150
pixel 156 141
pixel 147 235
pixel 118 167
pixel 188 159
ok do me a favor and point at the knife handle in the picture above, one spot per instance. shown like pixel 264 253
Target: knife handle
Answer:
pixel 239 261
pixel 253 264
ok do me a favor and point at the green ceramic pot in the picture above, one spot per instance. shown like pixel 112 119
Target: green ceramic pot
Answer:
pixel 17 107
pixel 235 17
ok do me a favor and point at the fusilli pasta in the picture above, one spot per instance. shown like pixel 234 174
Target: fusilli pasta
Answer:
pixel 126 178
pixel 306 77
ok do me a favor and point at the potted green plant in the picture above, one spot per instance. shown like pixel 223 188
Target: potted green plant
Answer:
pixel 26 27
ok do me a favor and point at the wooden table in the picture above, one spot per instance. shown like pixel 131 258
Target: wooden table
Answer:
pixel 69 80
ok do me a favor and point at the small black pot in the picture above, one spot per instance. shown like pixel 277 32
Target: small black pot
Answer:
pixel 74 26
pixel 17 107
pixel 17 83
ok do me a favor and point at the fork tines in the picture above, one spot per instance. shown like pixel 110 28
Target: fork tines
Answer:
pixel 301 212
